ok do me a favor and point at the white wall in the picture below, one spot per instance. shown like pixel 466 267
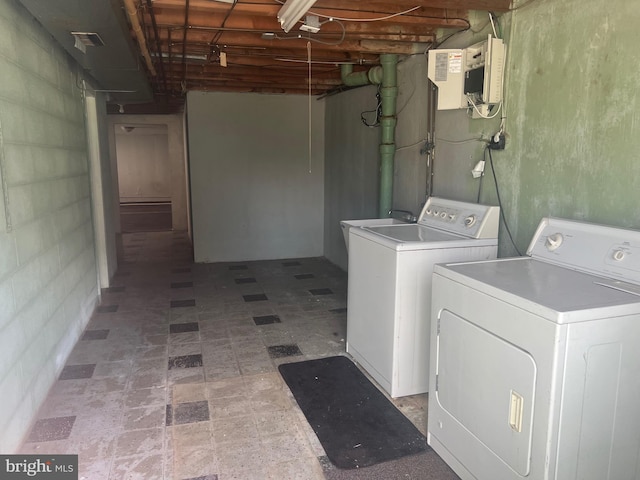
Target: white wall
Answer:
pixel 48 280
pixel 255 193
pixel 175 151
pixel 144 173
pixel 103 204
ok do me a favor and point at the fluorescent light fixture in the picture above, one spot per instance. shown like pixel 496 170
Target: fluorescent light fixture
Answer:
pixel 292 11
pixel 177 57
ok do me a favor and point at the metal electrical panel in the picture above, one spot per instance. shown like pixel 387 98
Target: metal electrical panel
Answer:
pixel 473 74
pixel 445 70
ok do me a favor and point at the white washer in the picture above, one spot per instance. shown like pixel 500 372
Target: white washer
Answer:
pixel 390 269
pixel 535 361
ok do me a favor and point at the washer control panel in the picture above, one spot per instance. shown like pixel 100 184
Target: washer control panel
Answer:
pixel 597 249
pixel 468 219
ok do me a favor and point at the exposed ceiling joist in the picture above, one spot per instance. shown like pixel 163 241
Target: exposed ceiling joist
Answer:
pixel 219 46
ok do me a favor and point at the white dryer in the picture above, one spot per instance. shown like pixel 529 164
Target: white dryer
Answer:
pixel 389 285
pixel 535 360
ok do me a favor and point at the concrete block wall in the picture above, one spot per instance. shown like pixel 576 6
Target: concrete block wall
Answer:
pixel 48 280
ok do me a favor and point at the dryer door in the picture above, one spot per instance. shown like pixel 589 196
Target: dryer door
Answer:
pixel 487 385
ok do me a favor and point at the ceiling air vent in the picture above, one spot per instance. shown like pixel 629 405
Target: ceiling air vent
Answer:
pixel 87 39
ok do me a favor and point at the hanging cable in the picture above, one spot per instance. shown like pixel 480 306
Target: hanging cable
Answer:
pixel 493 25
pixel 480 188
pixel 377 111
pixel 309 60
pixel 502 215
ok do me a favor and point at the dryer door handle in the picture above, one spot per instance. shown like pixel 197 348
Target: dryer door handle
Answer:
pixel 516 408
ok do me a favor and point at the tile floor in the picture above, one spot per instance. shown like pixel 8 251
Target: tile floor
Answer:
pixel 176 374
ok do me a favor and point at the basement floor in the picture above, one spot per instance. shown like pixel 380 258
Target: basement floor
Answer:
pixel 175 376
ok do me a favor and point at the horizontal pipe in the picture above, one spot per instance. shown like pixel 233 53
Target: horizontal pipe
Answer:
pixel 132 11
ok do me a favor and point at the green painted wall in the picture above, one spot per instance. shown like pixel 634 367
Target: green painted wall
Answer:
pixel 573 113
pixel 572 120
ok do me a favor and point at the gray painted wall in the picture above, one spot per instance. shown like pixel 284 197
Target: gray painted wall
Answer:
pixel 48 280
pixel 353 157
pixel 351 166
pixel 255 193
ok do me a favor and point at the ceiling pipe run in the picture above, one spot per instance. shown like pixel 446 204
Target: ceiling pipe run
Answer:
pixel 158 44
pixel 385 75
pixel 132 11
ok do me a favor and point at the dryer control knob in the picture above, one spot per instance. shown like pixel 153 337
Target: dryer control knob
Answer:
pixel 618 255
pixel 554 241
pixel 470 221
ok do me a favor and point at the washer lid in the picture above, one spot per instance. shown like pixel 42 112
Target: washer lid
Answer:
pixel 413 236
pixel 413 233
pixel 551 291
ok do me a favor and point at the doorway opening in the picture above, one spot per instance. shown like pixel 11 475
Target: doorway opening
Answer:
pixel 144 178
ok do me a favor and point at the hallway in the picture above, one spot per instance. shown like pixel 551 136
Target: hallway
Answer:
pixel 176 375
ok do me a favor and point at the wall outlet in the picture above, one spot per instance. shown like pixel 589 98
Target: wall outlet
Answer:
pixel 497 142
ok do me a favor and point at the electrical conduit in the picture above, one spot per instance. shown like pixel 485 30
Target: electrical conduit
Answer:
pixel 386 75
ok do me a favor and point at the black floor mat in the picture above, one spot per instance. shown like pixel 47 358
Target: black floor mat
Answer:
pixel 355 423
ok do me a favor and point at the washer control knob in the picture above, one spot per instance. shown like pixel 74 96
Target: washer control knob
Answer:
pixel 429 211
pixel 470 221
pixel 554 241
pixel 618 255
pixel 443 214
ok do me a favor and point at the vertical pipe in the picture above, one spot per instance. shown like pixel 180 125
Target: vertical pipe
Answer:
pixel 388 120
pixel 387 76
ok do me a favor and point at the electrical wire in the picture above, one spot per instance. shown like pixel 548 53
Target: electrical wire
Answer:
pixel 310 118
pixel 497 24
pixel 441 42
pixel 377 111
pixel 502 215
pixel 386 17
pixel 413 145
pixel 458 142
pixel 480 186
pixel 493 26
pixel 475 107
pixel 401 108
